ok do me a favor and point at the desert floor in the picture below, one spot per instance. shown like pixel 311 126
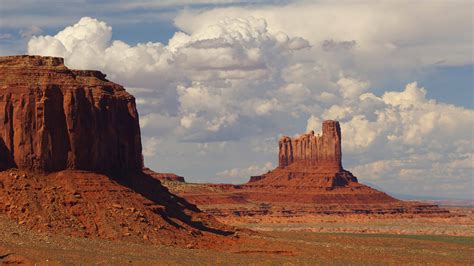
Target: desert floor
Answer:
pixel 323 241
pixel 462 224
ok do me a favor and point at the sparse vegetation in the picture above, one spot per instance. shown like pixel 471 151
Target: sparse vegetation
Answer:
pixel 269 248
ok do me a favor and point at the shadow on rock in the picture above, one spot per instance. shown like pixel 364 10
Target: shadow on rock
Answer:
pixel 175 206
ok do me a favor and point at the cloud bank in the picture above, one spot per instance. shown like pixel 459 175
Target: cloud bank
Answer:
pixel 222 90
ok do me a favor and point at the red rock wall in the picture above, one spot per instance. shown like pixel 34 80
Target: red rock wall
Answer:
pixel 309 150
pixel 53 118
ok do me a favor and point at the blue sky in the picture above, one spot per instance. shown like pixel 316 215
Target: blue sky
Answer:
pixel 217 82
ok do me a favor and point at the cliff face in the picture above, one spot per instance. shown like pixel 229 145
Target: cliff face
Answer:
pixel 55 123
pixel 53 118
pixel 313 151
pixel 309 160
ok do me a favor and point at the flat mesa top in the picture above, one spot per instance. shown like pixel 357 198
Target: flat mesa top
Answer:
pixel 38 63
pixel 31 60
pixel 21 72
pixel 329 127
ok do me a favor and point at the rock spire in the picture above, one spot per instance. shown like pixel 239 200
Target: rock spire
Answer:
pixel 313 151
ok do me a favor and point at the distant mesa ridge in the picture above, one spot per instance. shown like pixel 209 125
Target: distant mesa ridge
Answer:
pixel 163 176
pixel 53 118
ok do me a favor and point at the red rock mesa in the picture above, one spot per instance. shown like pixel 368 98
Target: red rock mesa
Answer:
pixel 71 160
pixel 53 118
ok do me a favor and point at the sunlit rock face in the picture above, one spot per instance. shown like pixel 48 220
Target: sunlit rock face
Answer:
pixel 53 118
pixel 323 152
pixel 310 160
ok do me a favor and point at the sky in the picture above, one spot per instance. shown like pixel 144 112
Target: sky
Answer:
pixel 217 82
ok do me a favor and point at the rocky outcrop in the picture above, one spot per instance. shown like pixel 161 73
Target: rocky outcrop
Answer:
pixel 135 208
pixel 323 152
pixel 72 141
pixel 309 160
pixel 309 180
pixel 163 176
pixel 53 118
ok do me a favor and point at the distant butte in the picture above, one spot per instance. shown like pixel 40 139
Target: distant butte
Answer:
pixel 310 160
pixel 309 179
pixel 317 152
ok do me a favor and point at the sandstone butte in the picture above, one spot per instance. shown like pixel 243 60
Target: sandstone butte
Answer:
pixel 54 118
pixel 71 160
pixel 309 179
pixel 310 160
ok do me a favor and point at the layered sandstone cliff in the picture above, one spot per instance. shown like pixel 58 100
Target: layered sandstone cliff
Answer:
pixel 309 160
pixel 53 118
pixel 72 141
pixel 323 152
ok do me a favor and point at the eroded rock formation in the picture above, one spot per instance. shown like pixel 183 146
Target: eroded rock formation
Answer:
pixel 53 118
pixel 72 141
pixel 322 152
pixel 310 160
pixel 309 180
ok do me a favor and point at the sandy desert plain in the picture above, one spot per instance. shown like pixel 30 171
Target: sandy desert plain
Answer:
pixel 306 241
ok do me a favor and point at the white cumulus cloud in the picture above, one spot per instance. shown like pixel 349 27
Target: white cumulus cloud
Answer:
pixel 243 77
